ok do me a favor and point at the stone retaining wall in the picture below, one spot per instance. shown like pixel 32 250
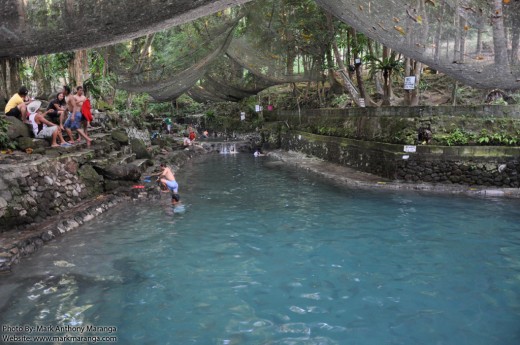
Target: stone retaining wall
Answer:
pixel 35 190
pixel 486 166
pixel 18 244
pixel 401 124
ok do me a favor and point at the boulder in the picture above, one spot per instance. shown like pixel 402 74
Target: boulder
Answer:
pixel 26 142
pixel 92 180
pixel 125 172
pixel 120 136
pixel 140 150
pixel 16 128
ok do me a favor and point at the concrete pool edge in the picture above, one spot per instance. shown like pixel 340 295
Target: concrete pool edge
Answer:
pixel 352 178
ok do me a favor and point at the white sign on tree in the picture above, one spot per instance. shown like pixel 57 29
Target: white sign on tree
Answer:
pixel 409 83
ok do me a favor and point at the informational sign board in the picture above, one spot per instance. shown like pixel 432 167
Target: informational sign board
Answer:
pixel 410 148
pixel 362 103
pixel 242 116
pixel 409 83
pixel 258 108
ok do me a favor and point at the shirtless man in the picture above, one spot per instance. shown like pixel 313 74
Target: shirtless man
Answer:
pixel 80 98
pixel 168 179
pixel 74 119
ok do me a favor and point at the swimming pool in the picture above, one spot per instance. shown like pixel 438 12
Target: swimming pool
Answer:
pixel 267 255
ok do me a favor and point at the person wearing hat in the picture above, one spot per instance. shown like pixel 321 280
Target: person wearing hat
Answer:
pixel 17 105
pixel 43 128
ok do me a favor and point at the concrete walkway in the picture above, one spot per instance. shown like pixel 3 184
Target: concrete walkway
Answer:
pixel 352 178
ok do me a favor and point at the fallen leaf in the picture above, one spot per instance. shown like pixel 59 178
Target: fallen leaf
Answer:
pixel 400 30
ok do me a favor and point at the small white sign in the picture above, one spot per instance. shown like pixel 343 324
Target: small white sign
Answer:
pixel 362 103
pixel 409 83
pixel 258 108
pixel 357 61
pixel 410 148
pixel 242 116
pixel 405 157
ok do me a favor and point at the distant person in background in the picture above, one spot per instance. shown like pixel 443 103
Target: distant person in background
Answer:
pixel 205 134
pixel 168 123
pixel 192 135
pixel 186 141
pixel 56 110
pixel 17 105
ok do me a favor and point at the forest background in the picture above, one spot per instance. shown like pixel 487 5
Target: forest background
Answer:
pixel 285 54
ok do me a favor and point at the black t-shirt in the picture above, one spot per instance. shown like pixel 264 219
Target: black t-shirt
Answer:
pixel 57 102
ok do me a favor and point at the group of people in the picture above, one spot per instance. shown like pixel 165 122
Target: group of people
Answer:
pixel 64 112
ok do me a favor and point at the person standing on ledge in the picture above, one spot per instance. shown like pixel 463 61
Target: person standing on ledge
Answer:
pixel 17 105
pixel 74 119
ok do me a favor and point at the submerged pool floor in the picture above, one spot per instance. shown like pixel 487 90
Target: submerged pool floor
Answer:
pixel 266 255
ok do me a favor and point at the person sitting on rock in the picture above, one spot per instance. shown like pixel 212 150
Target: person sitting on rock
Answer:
pixel 43 128
pixel 56 109
pixel 17 105
pixel 186 141
pixel 192 135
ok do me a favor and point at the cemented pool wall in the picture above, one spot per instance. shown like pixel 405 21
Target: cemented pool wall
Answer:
pixel 471 165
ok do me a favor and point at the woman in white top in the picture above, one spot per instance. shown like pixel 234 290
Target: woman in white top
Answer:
pixel 43 128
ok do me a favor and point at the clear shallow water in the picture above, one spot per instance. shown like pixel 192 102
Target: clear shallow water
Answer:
pixel 265 255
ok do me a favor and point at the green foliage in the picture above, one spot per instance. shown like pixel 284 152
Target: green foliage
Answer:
pixel 339 100
pixel 5 142
pixel 498 138
pixel 455 138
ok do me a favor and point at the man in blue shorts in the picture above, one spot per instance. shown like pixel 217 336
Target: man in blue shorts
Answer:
pixel 74 120
pixel 168 179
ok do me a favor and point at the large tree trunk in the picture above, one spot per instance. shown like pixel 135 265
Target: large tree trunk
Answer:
pixel 78 68
pixel 463 34
pixel 438 33
pixel 348 84
pixel 499 37
pixel 335 85
pixel 10 80
pixel 387 78
pixel 515 46
pixel 456 25
pixel 42 81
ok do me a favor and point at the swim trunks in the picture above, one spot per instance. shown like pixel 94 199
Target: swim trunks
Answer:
pixel 73 124
pixel 173 186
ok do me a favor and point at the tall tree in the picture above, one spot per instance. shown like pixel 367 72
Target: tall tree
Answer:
pixel 499 36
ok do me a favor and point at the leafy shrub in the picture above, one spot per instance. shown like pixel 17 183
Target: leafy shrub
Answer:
pixel 5 142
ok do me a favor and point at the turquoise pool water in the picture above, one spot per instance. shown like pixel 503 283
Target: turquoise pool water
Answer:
pixel 267 255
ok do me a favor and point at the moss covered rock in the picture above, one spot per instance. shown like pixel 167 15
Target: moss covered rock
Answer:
pixel 120 137
pixel 140 149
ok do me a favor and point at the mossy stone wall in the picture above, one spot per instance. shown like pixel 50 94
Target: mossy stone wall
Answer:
pixel 400 125
pixel 470 165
